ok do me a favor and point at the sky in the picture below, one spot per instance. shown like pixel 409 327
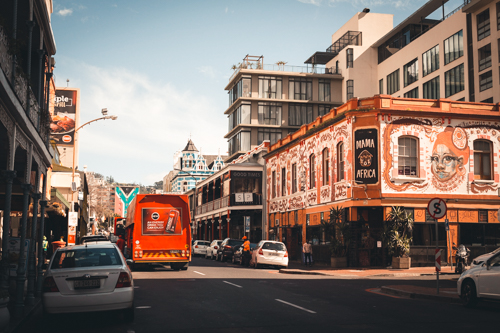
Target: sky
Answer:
pixel 161 66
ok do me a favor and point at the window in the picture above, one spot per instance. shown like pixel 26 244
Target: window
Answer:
pixel 498 15
pixel 239 142
pixel 283 182
pixel 393 82
pixel 482 159
pixel 480 234
pixel 340 161
pixel 412 93
pixel 453 47
pixel 240 116
pixel 324 90
pixel 430 61
pixel 424 234
pixel 488 100
pixel 240 89
pixel 350 58
pixel 485 81
pixel 484 57
pixel 324 109
pixel 273 185
pixel 299 114
pixel 350 89
pixel 407 156
pixel 300 88
pixel 454 80
pixel 483 24
pixel 431 88
pixel 326 167
pixel 381 86
pixel 273 135
pixel 312 172
pixel 270 87
pixel 294 177
pixel 410 71
pixel 270 113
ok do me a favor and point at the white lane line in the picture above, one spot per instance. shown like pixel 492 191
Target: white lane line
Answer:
pixel 232 284
pixel 143 307
pixel 295 306
pixel 198 273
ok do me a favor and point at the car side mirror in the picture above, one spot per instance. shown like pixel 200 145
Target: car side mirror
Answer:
pixel 129 261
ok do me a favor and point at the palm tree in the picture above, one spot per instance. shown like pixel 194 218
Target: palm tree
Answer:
pixel 397 233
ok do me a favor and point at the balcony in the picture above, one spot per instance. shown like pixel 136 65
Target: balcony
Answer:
pixel 288 68
pixel 230 201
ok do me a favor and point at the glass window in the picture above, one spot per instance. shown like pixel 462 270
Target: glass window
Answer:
pixel 86 258
pixel 485 81
pixel 498 16
pixel 350 58
pixel 324 90
pixel 294 177
pixel 350 89
pixel 407 156
pixel 270 113
pixel 410 71
pixel 239 142
pixel 381 86
pixel 454 80
pixel 482 159
pixel 300 88
pixel 424 234
pixel 273 185
pixel 299 114
pixel 241 89
pixel 340 161
pixel 240 116
pixel 484 57
pixel 453 47
pixel 488 100
pixel 393 82
pixel 431 88
pixel 312 172
pixel 273 135
pixel 326 167
pixel 412 93
pixel 270 87
pixel 323 109
pixel 283 182
pixel 483 24
pixel 430 60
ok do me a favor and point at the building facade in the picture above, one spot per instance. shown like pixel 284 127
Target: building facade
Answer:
pixel 371 154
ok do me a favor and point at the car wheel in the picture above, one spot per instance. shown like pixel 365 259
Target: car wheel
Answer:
pixel 469 295
pixel 129 314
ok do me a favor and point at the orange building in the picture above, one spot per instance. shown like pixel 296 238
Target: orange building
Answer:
pixel 371 154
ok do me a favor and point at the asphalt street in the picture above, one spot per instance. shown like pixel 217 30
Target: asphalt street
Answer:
pixel 221 297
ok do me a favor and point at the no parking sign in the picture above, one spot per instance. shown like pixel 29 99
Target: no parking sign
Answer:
pixel 437 208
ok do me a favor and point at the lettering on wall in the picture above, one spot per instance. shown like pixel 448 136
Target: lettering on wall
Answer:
pixel 366 156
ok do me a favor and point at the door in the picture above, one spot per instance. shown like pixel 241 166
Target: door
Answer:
pixel 488 281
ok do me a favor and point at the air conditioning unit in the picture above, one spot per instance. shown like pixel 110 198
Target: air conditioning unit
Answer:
pixel 73 186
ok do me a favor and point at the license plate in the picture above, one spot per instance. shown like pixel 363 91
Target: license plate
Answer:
pixel 175 251
pixel 274 254
pixel 87 284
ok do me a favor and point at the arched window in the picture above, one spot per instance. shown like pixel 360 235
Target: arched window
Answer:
pixel 482 160
pixel 326 167
pixel 340 161
pixel 312 171
pixel 407 156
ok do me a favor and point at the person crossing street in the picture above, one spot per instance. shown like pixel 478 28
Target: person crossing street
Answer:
pixel 246 252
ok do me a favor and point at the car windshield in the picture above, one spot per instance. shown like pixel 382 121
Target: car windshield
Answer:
pixel 86 257
pixel 273 246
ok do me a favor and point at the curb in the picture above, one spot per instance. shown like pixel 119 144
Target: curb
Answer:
pixel 409 294
pixel 300 271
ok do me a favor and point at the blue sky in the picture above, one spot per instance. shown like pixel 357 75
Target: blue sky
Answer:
pixel 161 67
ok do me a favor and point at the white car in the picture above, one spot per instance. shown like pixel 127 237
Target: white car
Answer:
pixel 479 260
pixel 88 278
pixel 270 253
pixel 480 281
pixel 200 247
pixel 212 249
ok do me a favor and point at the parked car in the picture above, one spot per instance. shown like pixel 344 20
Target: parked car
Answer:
pixel 88 278
pixel 239 253
pixel 270 253
pixel 479 260
pixel 227 248
pixel 212 249
pixel 200 247
pixel 480 281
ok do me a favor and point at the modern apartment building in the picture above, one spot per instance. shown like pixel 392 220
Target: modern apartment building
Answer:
pixel 267 102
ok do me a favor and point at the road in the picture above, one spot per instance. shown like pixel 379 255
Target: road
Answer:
pixel 221 297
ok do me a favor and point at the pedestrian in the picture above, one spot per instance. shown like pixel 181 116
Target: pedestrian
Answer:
pixel 120 243
pixel 307 250
pixel 246 252
pixel 45 246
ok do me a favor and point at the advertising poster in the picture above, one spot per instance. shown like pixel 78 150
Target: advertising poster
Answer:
pixel 366 156
pixel 14 247
pixel 72 225
pixel 62 127
pixel 161 221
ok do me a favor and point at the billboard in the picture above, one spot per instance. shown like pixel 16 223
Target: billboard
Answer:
pixel 65 117
pixel 161 221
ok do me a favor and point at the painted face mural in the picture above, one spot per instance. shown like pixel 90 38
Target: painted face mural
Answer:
pixel 449 155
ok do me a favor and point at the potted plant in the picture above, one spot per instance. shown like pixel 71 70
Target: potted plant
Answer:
pixel 397 236
pixel 4 311
pixel 336 230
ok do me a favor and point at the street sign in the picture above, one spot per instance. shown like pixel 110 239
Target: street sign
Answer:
pixel 436 208
pixel 447 225
pixel 437 256
pixel 247 223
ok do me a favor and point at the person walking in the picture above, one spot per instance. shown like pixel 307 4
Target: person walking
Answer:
pixel 246 251
pixel 120 243
pixel 307 250
pixel 45 247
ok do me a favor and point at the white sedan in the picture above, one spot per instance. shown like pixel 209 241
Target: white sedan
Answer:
pixel 87 278
pixel 270 253
pixel 212 249
pixel 200 247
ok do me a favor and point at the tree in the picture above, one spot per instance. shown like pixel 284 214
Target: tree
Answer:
pixel 110 180
pixel 397 232
pixel 158 185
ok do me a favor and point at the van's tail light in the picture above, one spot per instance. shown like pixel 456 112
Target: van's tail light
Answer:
pixel 140 254
pixel 261 252
pixel 286 254
pixel 123 280
pixel 49 285
pixel 215 247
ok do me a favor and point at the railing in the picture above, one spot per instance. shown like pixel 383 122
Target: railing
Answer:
pixel 224 201
pixel 217 204
pixel 349 38
pixel 256 200
pixel 296 69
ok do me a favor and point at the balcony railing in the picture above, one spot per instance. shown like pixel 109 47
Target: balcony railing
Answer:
pixel 296 69
pixel 227 201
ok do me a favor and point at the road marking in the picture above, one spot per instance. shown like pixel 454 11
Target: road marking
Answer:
pixel 143 307
pixel 136 287
pixel 295 306
pixel 198 273
pixel 232 284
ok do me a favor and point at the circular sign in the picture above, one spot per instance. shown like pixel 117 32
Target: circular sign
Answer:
pixel 436 208
pixel 66 138
pixel 155 216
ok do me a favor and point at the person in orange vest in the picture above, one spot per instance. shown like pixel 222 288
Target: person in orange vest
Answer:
pixel 120 243
pixel 246 252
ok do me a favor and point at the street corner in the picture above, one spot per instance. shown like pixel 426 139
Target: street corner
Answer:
pixel 417 292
